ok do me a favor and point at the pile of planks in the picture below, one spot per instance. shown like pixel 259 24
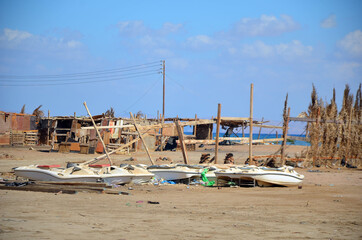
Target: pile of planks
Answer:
pixel 60 187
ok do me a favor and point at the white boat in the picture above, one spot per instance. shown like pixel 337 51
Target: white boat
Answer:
pixel 284 176
pixel 108 174
pixel 174 172
pixel 239 173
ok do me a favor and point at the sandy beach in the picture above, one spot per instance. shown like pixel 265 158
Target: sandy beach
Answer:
pixel 328 206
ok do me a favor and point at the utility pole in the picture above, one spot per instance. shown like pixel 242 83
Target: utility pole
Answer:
pixel 163 102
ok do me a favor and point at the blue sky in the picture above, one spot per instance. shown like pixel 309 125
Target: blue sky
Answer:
pixel 213 51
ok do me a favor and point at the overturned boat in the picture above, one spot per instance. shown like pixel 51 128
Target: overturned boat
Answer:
pixel 84 173
pixel 262 176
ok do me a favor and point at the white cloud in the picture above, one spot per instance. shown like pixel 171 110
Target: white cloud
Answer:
pixel 138 28
pixel 264 26
pixel 15 35
pixel 289 51
pixel 74 44
pixel 352 43
pixel 199 41
pixel 171 28
pixel 329 22
pixel 132 28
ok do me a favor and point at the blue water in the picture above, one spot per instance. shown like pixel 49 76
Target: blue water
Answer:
pixel 263 136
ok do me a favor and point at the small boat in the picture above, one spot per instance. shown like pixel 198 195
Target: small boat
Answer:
pixel 175 172
pixel 284 176
pixel 263 176
pixel 84 173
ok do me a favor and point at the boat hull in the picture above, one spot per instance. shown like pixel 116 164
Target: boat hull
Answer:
pixel 46 175
pixel 282 179
pixel 169 174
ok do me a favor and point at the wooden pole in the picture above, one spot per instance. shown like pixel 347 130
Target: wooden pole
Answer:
pixel 349 136
pixel 251 125
pixel 98 134
pixel 48 139
pixel 181 138
pixel 217 131
pixel 242 130
pixel 316 138
pixel 142 139
pixel 262 120
pixel 195 125
pixel 163 101
pixel 285 135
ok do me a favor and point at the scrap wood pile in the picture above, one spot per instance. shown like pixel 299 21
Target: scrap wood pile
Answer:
pixel 335 136
pixel 59 187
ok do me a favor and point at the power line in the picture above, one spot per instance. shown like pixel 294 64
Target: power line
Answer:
pixel 81 82
pixel 82 77
pixel 129 68
pixel 142 96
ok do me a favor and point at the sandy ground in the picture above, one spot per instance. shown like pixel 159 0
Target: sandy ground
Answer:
pixel 329 205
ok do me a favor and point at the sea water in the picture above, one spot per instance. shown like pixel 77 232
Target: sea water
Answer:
pixel 265 136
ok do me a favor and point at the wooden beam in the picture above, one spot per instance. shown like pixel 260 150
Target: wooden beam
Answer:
pixel 156 126
pixel 181 139
pixel 246 140
pixel 114 151
pixel 298 138
pixel 262 120
pixel 251 125
pixel 217 131
pixel 267 126
pixel 99 135
pixel 143 141
pixel 234 119
pixel 197 141
pixel 285 134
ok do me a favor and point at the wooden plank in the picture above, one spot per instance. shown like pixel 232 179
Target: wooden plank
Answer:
pixel 196 141
pixel 157 126
pixel 267 126
pixel 181 138
pixel 114 151
pixel 251 125
pixel 233 138
pixel 217 131
pixel 38 189
pixel 99 135
pixel 234 119
pixel 142 139
pixel 285 134
pixel 298 138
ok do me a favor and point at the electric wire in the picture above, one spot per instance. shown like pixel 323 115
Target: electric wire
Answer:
pixel 129 68
pixel 81 82
pixel 141 97
pixel 83 77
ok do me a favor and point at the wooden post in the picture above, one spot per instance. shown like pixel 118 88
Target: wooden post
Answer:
pixel 316 138
pixel 242 130
pixel 48 138
pixel 262 120
pixel 251 125
pixel 349 136
pixel 163 102
pixel 285 135
pixel 217 131
pixel 142 139
pixel 181 138
pixel 194 133
pixel 98 134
